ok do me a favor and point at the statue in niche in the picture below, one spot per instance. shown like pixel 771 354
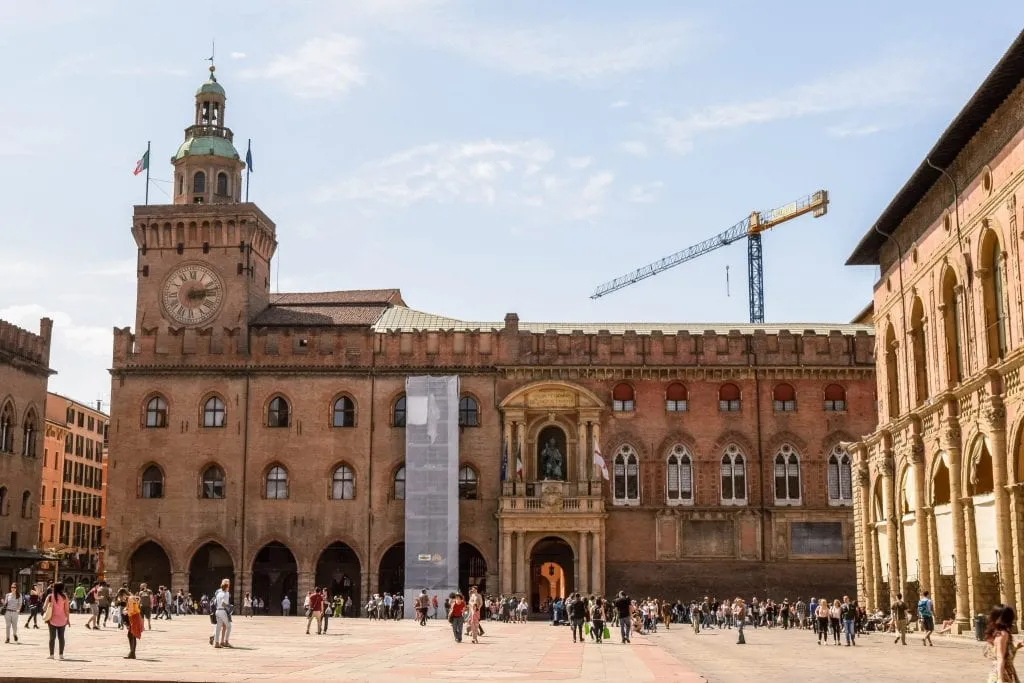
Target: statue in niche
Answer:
pixel 551 454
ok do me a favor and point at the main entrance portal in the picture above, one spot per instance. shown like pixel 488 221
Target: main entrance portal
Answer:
pixel 551 572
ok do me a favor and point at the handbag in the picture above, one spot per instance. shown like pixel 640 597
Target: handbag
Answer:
pixel 48 610
pixel 607 635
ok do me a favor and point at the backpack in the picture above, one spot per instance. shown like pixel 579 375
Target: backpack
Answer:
pixel 923 608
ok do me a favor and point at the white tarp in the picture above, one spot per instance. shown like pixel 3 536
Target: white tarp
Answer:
pixel 910 547
pixel 882 533
pixel 985 531
pixel 944 531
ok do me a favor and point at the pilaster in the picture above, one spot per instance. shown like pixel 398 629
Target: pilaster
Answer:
pixel 598 583
pixel 521 587
pixel 506 581
pixel 179 581
pixel 951 446
pixel 994 427
pixel 924 577
pixel 304 586
pixel 892 523
pixel 973 563
pixel 583 582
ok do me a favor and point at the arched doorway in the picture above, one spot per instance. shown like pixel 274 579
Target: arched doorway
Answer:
pixel 210 565
pixel 551 572
pixel 275 575
pixel 472 569
pixel 391 578
pixel 339 571
pixel 149 564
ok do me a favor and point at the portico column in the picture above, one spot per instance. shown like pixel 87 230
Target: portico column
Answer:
pixel 521 563
pixel 584 575
pixel 866 551
pixel 995 417
pixel 951 446
pixel 934 567
pixel 1015 530
pixel 973 563
pixel 598 584
pixel 305 585
pixel 179 580
pixel 892 524
pixel 505 582
pixel 923 550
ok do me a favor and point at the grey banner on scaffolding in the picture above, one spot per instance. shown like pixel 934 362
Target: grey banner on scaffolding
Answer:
pixel 431 488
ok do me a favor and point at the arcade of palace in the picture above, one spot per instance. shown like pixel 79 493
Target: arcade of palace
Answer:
pixel 939 484
pixel 261 436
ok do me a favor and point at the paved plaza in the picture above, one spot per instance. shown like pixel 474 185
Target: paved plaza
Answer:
pixel 276 648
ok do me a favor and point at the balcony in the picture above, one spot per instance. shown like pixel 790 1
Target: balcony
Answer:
pixel 207 131
pixel 551 497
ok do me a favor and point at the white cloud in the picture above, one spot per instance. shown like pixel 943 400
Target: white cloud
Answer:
pixel 321 68
pixel 566 51
pixel 637 148
pixel 618 104
pixel 645 194
pixel 237 55
pixel 88 339
pixel 486 172
pixel 848 131
pixel 878 85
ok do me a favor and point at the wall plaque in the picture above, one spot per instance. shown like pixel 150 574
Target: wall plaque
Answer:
pixel 551 398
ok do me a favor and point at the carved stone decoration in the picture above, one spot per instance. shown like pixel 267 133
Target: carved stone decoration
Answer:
pixel 915 454
pixel 551 496
pixel 862 476
pixel 995 414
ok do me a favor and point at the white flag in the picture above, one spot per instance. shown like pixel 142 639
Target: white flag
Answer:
pixel 599 461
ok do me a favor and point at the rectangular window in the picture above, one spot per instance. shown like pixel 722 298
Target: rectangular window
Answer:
pixel 632 481
pixel 729 406
pixel 835 406
pixel 46 454
pixel 99 451
pixel 88 476
pixel 620 480
pixel 727 492
pixel 79 445
pixel 67 471
pixel 673 481
pixel 622 406
pixel 99 480
pixel 88 449
pixel 65 532
pixel 785 406
pixel 833 481
pixel 69 444
pixel 686 481
pixel 53 497
pixel 675 406
pixel 81 419
pixel 822 539
pixel 92 423
pixel 71 416
pixel 53 528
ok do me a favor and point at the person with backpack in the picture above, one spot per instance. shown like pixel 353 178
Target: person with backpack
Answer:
pixel 899 619
pixel 926 611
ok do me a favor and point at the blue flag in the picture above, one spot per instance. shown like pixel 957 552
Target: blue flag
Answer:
pixel 248 157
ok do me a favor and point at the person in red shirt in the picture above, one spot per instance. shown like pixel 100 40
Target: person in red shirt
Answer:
pixel 457 616
pixel 316 610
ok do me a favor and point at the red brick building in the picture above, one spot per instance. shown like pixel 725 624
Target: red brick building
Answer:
pixel 260 435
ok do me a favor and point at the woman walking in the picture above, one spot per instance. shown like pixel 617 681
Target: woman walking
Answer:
pixel 474 620
pixel 11 608
pixel 597 620
pixel 57 615
pixel 222 613
pixel 834 620
pixel 456 616
pixel 821 614
pixel 1000 644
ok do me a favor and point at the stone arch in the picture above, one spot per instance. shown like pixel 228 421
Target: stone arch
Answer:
pixel 275 571
pixel 877 501
pixel 732 437
pixel 267 539
pixel 205 539
pixel 938 484
pixel 778 439
pixel 1016 455
pixel 470 571
pixel 204 399
pixel 585 398
pixel 210 563
pixel 333 402
pixel 150 563
pixel 339 568
pixel 906 499
pixel 974 447
pixel 680 437
pixel 391 569
pixel 532 543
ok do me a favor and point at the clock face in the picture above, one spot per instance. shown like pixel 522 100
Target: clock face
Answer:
pixel 192 294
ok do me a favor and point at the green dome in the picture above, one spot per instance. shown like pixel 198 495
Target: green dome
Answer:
pixel 207 145
pixel 211 86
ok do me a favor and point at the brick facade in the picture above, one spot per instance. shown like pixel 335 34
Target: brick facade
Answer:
pixel 939 483
pixel 312 349
pixel 24 372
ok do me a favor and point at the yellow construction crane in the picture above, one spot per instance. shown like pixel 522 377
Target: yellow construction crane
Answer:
pixel 750 227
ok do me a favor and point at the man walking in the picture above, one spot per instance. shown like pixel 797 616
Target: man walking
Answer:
pixel 899 619
pixel 315 610
pixel 848 613
pixel 926 610
pixel 577 615
pixel 622 609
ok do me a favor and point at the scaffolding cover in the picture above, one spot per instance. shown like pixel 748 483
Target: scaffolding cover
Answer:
pixel 431 488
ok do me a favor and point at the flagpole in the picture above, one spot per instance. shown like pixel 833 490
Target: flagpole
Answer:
pixel 248 168
pixel 147 171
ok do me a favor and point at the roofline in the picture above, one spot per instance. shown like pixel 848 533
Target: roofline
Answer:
pixel 78 403
pixel 1005 76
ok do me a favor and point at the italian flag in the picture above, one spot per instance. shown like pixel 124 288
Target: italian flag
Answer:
pixel 142 164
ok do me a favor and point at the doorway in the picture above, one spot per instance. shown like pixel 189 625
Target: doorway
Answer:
pixel 339 571
pixel 210 565
pixel 274 576
pixel 391 578
pixel 149 564
pixel 551 572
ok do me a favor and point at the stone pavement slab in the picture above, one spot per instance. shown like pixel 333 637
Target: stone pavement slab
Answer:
pixel 277 649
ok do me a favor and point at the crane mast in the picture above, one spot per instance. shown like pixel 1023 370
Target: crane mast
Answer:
pixel 750 227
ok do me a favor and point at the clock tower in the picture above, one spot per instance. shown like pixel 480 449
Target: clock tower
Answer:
pixel 204 260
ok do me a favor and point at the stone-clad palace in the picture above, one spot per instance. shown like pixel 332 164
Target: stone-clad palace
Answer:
pixel 261 436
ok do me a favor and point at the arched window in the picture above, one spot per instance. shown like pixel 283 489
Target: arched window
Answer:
pixel 222 184
pixel 26 498
pixel 467 483
pixel 992 290
pixel 181 183
pixel 950 309
pixel 626 477
pixel 343 483
pixel 892 373
pixel 398 484
pixel 734 477
pixel 784 398
pixel 835 398
pixel 199 182
pixel 918 347
pixel 729 398
pixel 679 485
pixel 840 485
pixel 7 429
pixel 277 412
pixel 623 398
pixel 675 398
pixel 156 413
pixel 30 429
pixel 787 476
pixel 398 413
pixel 213 483
pixel 277 483
pixel 152 482
pixel 469 412
pixel 344 413
pixel 213 412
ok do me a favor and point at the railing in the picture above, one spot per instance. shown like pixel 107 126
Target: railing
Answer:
pixel 552 496
pixel 207 131
pixel 570 489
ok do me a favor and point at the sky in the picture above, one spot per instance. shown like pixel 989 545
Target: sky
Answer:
pixel 482 156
